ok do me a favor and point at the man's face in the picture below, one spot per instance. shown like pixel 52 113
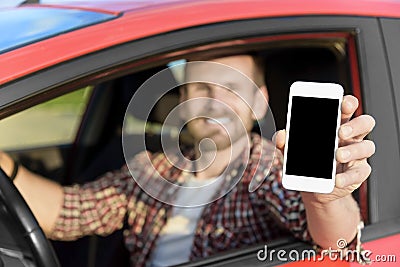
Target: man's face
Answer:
pixel 223 110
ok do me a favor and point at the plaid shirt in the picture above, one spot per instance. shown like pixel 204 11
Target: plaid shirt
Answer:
pixel 236 220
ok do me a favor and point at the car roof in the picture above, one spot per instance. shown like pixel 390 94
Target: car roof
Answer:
pixel 360 7
pixel 139 19
pixel 117 6
pixel 288 7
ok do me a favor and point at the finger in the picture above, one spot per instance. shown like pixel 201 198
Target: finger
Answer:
pixel 280 139
pixel 357 128
pixel 355 151
pixel 349 106
pixel 355 175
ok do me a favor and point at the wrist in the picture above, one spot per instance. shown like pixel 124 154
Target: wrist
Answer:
pixel 9 165
pixel 15 169
pixel 312 201
pixel 323 200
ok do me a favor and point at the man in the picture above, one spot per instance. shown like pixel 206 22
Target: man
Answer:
pixel 235 217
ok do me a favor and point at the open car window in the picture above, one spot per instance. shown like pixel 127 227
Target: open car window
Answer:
pixel 52 123
pixel 302 58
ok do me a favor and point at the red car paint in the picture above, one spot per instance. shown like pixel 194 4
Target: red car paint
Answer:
pixel 139 21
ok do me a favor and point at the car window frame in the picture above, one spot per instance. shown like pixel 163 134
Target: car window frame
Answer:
pixel 391 37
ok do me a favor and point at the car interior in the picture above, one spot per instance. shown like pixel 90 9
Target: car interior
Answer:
pixel 96 147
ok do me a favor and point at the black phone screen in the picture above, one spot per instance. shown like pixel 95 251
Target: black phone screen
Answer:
pixel 312 136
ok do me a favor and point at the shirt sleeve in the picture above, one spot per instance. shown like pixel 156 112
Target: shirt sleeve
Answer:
pixel 96 207
pixel 286 206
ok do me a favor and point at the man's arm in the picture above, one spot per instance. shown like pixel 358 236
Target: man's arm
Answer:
pixel 333 221
pixel 335 216
pixel 44 197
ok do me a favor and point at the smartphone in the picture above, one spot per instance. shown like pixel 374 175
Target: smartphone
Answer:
pixel 312 125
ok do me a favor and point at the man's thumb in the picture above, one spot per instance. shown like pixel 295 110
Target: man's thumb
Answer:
pixel 279 139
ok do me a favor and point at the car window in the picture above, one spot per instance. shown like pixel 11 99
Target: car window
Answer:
pixel 303 59
pixel 54 122
pixel 286 61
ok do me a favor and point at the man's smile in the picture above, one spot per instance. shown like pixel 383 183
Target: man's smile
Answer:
pixel 220 120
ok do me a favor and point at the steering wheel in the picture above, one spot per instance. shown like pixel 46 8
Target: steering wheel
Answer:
pixel 42 251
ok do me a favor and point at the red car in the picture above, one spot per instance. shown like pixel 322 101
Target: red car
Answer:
pixel 69 70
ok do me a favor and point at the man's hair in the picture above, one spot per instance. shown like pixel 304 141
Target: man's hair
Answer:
pixel 259 69
pixel 259 65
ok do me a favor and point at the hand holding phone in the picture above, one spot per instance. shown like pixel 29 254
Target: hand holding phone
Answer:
pixel 312 125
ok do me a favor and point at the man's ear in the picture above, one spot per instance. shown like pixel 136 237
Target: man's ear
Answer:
pixel 260 105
